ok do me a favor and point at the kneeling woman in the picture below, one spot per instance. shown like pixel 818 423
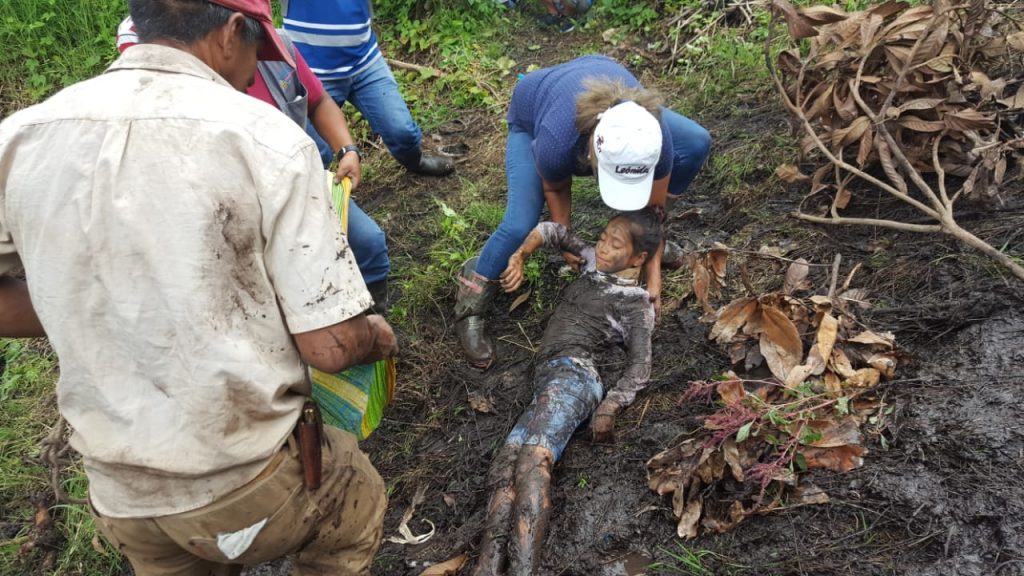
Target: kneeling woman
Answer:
pixel 587 116
pixel 606 305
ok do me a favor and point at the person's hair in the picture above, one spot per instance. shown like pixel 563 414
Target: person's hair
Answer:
pixel 601 93
pixel 644 227
pixel 185 21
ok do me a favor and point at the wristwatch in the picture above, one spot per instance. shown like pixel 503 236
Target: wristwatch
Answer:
pixel 345 150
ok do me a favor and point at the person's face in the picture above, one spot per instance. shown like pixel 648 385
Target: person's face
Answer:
pixel 237 57
pixel 615 248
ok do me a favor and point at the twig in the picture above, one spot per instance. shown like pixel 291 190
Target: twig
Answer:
pixel 835 276
pixel 414 67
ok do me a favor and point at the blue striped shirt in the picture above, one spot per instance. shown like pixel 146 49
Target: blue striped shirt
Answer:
pixel 334 36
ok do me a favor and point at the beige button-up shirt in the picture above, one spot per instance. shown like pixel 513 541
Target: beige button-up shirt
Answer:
pixel 174 233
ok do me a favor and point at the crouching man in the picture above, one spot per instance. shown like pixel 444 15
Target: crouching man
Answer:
pixel 183 258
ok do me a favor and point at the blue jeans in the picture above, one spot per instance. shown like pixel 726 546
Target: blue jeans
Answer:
pixel 690 146
pixel 367 240
pixel 374 92
pixel 567 391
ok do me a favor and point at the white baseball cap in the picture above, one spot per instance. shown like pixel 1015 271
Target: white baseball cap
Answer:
pixel 627 143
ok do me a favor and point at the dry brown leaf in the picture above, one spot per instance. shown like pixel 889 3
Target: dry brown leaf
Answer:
pixel 823 14
pixel 1016 41
pixel 736 515
pixel 481 403
pixel 731 318
pixel 840 458
pixel 885 339
pixel 718 258
pixel 888 9
pixel 884 363
pixel 851 133
pixel 864 378
pixel 840 363
pixel 968 119
pixel 932 45
pixel 731 391
pixel 519 301
pixel 918 124
pixel 780 342
pixel 701 282
pixel 789 173
pixel 732 458
pixel 836 433
pixel 799 26
pixel 808 493
pixel 687 527
pixel 858 296
pixel 447 568
pixel 822 350
pixel 798 375
pixel 1015 101
pixel 796 277
pixel 832 384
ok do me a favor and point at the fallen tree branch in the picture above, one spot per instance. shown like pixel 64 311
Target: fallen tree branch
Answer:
pixel 414 67
pixel 941 205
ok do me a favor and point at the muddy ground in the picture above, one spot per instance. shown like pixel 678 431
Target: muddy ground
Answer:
pixel 941 494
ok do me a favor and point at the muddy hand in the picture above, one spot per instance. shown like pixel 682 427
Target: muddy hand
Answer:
pixel 512 277
pixel 602 428
pixel 572 260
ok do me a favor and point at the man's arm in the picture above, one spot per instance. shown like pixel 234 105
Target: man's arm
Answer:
pixel 330 123
pixel 359 340
pixel 17 316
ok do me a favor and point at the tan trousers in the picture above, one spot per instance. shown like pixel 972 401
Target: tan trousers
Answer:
pixel 335 530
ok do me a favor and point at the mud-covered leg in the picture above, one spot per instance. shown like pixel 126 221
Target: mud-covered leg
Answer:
pixel 532 509
pixel 501 482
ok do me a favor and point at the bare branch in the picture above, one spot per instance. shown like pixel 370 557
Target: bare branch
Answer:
pixel 891 224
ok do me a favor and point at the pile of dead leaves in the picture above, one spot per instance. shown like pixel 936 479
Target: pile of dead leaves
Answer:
pixel 807 414
pixel 955 103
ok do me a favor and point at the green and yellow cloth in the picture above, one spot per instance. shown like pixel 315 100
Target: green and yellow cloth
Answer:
pixel 353 399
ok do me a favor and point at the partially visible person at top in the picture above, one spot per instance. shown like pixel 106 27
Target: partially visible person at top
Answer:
pixel 337 39
pixel 297 92
pixel 604 306
pixel 185 261
pixel 561 14
pixel 588 116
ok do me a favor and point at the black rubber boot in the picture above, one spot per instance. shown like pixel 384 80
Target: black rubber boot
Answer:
pixel 428 164
pixel 475 294
pixel 379 291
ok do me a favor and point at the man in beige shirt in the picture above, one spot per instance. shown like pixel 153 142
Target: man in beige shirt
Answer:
pixel 185 262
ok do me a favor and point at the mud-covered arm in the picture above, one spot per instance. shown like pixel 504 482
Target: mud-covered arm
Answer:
pixel 550 234
pixel 638 322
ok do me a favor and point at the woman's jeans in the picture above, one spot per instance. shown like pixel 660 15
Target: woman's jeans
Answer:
pixel 374 92
pixel 367 240
pixel 690 146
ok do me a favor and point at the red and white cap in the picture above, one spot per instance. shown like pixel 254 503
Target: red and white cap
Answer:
pixel 627 144
pixel 259 10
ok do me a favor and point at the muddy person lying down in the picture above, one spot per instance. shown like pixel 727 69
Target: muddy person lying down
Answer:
pixel 606 305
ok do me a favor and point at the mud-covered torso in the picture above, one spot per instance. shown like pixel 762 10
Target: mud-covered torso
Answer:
pixel 594 313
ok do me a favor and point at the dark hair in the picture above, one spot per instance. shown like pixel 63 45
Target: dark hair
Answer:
pixel 644 227
pixel 185 21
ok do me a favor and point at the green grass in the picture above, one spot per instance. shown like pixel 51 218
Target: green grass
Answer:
pixel 49 44
pixel 27 395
